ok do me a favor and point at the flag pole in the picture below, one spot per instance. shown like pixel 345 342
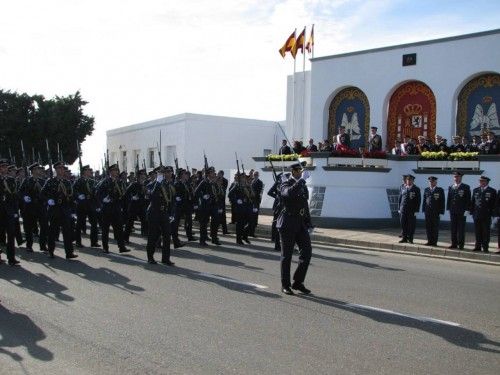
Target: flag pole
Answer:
pixel 304 81
pixel 293 92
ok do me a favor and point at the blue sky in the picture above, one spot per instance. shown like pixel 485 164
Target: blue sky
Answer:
pixel 136 60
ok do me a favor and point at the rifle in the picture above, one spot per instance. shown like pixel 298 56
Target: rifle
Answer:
pixel 144 163
pixel 49 158
pixel 79 156
pixel 187 167
pixel 12 160
pixel 137 167
pixel 59 157
pixel 159 150
pixel 25 167
pixel 176 161
pixel 205 160
pixel 275 176
pixel 32 155
pixel 238 168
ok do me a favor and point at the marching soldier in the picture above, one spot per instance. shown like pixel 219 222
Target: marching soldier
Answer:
pixel 84 189
pixel 109 193
pixel 136 197
pixel 409 204
pixel 9 210
pixel 35 212
pixel 60 201
pixel 160 214
pixel 433 205
pixel 223 184
pixel 206 201
pixel 482 209
pixel 221 203
pixel 293 224
pixel 257 187
pixel 458 202
pixel 240 198
pixel 275 193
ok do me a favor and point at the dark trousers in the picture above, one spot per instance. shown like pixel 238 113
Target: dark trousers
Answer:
pixel 204 216
pixel 408 224
pixel 133 214
pixel 34 215
pixel 19 236
pixel 457 222
pixel 275 237
pixel 432 227
pixel 223 220
pixel 159 225
pixel 253 221
pixel 82 213
pixel 60 219
pixel 188 223
pixel 8 223
pixel 288 240
pixel 241 220
pixel 112 217
pixel 482 232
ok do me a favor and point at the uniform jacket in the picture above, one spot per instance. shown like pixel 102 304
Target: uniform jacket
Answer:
pixel 483 203
pixel 32 188
pixel 433 202
pixel 257 189
pixel 9 198
pixel 409 200
pixel 375 143
pixel 206 196
pixel 112 189
pixel 458 200
pixel 60 191
pixel 295 214
pixel 161 199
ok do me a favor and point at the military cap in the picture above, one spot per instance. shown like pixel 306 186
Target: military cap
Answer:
pixel 457 173
pixel 169 168
pixel 210 169
pixel 432 178
pixel 86 167
pixel 456 137
pixel 421 137
pixel 11 167
pixel 374 128
pixel 18 170
pixel 410 176
pixel 58 164
pixel 113 167
pixel 298 166
pixel 484 178
pixel 3 162
pixel 123 173
pixel 405 175
pixel 151 172
pixel 33 166
pixel 142 171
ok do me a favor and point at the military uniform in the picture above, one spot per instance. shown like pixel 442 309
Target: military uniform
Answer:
pixel 274 192
pixel 84 190
pixel 109 193
pixel 160 215
pixel 409 204
pixel 239 196
pixel 207 202
pixel 9 213
pixel 374 141
pixel 35 210
pixel 61 212
pixel 257 189
pixel 433 205
pixel 135 195
pixel 458 202
pixel 482 209
pixel 293 224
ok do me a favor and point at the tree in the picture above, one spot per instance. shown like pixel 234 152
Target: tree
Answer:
pixel 33 119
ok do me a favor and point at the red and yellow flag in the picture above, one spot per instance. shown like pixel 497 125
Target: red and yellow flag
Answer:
pixel 299 44
pixel 288 46
pixel 310 42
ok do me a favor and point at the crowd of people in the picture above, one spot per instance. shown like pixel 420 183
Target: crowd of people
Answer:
pixel 160 200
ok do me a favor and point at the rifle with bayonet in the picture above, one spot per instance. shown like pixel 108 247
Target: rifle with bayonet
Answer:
pixel 49 158
pixel 79 156
pixel 176 162
pixel 205 161
pixel 25 167
pixel 159 151
pixel 275 175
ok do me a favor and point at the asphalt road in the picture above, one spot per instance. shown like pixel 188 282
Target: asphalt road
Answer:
pixel 220 310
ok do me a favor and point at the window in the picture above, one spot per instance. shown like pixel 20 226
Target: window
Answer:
pixel 151 158
pixel 171 153
pixel 124 161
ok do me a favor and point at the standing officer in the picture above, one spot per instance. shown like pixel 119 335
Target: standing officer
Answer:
pixel 9 210
pixel 136 208
pixel 375 140
pixel 433 206
pixel 206 200
pixel 482 208
pixel 240 198
pixel 34 207
pixel 160 214
pixel 257 187
pixel 84 188
pixel 293 225
pixel 61 211
pixel 457 202
pixel 109 193
pixel 409 204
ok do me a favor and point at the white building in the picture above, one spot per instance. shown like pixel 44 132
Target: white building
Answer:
pixel 187 136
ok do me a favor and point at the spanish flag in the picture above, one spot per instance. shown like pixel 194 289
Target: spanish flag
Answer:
pixel 299 44
pixel 290 42
pixel 310 42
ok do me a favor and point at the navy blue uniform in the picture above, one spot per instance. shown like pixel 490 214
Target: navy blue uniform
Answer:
pixel 84 190
pixel 482 209
pixel 136 208
pixel 293 225
pixel 35 211
pixel 409 205
pixel 240 198
pixel 274 192
pixel 9 213
pixel 257 189
pixel 458 202
pixel 183 208
pixel 207 201
pixel 433 205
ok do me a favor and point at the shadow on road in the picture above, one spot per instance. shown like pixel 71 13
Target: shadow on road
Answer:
pixel 455 335
pixel 19 330
pixel 214 259
pixel 36 282
pixel 355 262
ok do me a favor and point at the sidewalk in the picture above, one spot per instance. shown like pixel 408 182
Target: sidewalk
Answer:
pixel 386 240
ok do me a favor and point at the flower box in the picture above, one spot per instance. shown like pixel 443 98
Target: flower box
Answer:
pixel 432 164
pixel 339 160
pixel 463 164
pixel 378 163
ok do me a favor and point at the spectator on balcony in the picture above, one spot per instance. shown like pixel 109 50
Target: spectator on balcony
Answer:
pixel 397 150
pixel 298 147
pixel 375 140
pixel 408 146
pixel 284 149
pixel 440 144
pixel 457 145
pixel 311 147
pixel 491 145
pixel 423 145
pixel 474 145
pixel 343 140
pixel 326 146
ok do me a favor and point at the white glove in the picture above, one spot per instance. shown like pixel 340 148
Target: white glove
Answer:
pixel 255 210
pixel 239 201
pixel 195 207
pixel 305 175
pixel 97 210
pixel 171 219
pixel 81 197
pixel 135 197
pixel 206 196
pixel 159 178
pixel 310 230
pixel 178 199
pixel 16 216
pixel 73 216
pixel 219 210
pixel 27 199
pixel 106 199
pixel 284 178
pixel 51 202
